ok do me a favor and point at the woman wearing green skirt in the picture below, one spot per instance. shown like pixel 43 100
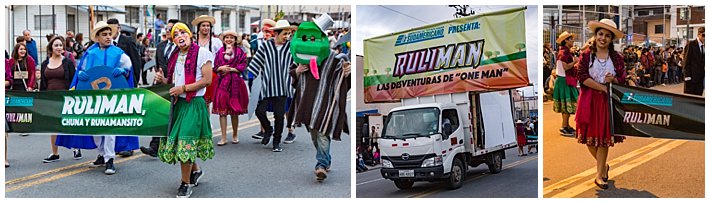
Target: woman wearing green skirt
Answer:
pixel 190 138
pixel 565 93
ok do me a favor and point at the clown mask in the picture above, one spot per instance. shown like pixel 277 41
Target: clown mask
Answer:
pixel 309 42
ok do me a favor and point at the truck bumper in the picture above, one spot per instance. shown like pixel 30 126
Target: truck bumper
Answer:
pixel 429 173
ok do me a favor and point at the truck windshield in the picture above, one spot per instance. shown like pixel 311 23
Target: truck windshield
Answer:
pixel 411 123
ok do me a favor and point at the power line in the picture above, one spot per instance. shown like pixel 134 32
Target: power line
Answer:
pixel 404 14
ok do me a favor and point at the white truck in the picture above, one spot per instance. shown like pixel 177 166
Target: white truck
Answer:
pixel 437 137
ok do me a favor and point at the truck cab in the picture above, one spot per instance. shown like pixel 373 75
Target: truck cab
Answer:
pixel 435 138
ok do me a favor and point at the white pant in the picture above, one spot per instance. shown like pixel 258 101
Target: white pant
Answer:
pixel 106 146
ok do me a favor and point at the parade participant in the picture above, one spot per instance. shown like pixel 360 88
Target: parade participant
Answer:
pixel 565 94
pixel 22 69
pixel 599 66
pixel 321 89
pixel 694 65
pixel 162 52
pixel 520 137
pixel 102 53
pixel 31 45
pixel 272 61
pixel 204 25
pixel 57 73
pixel 190 138
pixel 232 97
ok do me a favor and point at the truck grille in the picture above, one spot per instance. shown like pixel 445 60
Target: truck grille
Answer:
pixel 414 161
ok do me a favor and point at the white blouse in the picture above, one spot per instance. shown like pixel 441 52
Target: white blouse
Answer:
pixel 203 57
pixel 597 71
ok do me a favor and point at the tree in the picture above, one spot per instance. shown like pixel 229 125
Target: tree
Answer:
pixel 488 54
pixel 374 71
pixel 520 46
pixel 388 69
pixel 496 53
pixel 365 71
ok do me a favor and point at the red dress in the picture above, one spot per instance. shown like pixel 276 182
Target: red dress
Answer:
pixel 230 94
pixel 593 116
pixel 520 134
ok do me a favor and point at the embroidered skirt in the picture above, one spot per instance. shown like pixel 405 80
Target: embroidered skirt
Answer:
pixel 564 97
pixel 191 134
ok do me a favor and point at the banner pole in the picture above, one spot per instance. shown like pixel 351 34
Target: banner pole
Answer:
pixel 611 109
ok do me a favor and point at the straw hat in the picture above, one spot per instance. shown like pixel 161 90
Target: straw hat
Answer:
pixel 518 121
pixel 564 36
pixel 203 18
pixel 282 24
pixel 269 22
pixel 101 25
pixel 229 32
pixel 608 25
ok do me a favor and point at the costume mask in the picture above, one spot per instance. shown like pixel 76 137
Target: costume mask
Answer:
pixel 309 42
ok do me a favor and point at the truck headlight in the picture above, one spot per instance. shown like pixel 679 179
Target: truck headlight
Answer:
pixel 387 164
pixel 433 161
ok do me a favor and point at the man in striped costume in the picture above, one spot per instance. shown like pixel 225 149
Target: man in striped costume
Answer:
pixel 271 63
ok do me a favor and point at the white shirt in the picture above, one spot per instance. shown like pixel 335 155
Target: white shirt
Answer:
pixel 560 69
pixel 216 45
pixel 597 71
pixel 204 56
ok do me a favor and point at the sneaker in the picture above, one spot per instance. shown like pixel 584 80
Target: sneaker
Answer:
pixel 258 136
pixel 267 137
pixel 195 178
pixel 126 153
pixel 149 151
pixel 99 162
pixel 290 138
pixel 110 169
pixel 566 132
pixel 277 148
pixel 77 154
pixel 184 191
pixel 51 158
pixel 570 129
pixel 321 175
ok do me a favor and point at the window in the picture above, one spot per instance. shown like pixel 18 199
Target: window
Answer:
pixel 642 13
pixel 225 21
pixel 452 116
pixel 99 18
pixel 133 15
pixel 44 22
pixel 658 29
pixel 240 24
pixel 71 19
pixel 683 13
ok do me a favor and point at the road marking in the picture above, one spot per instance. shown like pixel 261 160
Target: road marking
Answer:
pixel 439 189
pixel 63 174
pixel 370 181
pixel 568 181
pixel 587 185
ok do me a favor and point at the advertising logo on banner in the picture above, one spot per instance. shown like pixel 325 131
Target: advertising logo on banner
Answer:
pixel 481 52
pixel 644 112
pixel 104 112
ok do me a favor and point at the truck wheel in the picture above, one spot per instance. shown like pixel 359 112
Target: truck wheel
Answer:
pixel 457 175
pixel 495 164
pixel 404 184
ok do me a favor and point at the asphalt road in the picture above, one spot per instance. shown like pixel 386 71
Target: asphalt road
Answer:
pixel 517 180
pixel 247 169
pixel 640 167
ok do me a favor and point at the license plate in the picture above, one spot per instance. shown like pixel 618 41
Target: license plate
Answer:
pixel 406 173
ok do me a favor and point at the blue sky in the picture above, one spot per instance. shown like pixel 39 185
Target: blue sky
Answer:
pixel 372 21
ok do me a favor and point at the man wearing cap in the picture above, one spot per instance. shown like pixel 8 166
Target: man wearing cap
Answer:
pixel 321 89
pixel 271 62
pixel 565 93
pixel 694 65
pixel 104 53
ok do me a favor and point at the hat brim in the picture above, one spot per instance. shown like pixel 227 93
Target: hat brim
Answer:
pixel 564 37
pixel 199 20
pixel 96 30
pixel 290 27
pixel 229 33
pixel 596 24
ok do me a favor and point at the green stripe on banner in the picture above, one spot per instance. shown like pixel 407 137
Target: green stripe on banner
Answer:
pixel 143 112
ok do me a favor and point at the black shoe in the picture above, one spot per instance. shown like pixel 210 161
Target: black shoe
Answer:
pixel 267 137
pixel 195 178
pixel 126 153
pixel 321 175
pixel 51 158
pixel 290 138
pixel 149 151
pixel 566 132
pixel 110 169
pixel 570 129
pixel 277 148
pixel 99 161
pixel 77 154
pixel 602 185
pixel 184 191
pixel 258 136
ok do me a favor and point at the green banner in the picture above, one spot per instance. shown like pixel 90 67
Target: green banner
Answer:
pixel 483 52
pixel 137 111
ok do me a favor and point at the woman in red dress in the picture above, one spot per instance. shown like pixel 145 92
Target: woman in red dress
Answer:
pixel 598 66
pixel 231 97
pixel 520 137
